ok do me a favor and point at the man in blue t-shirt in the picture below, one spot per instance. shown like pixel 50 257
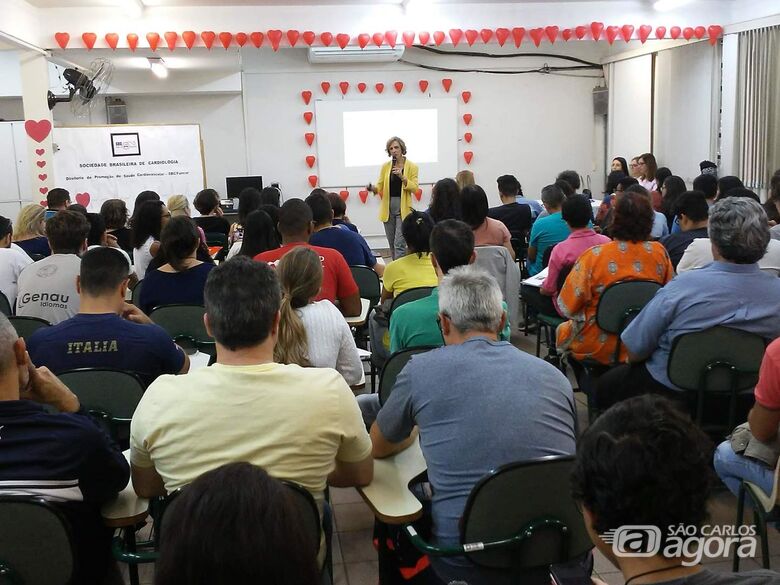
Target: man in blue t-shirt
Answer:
pixel 107 332
pixel 351 244
pixel 547 231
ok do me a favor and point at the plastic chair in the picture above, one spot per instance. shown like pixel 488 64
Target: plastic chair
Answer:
pixel 393 366
pixel 136 292
pixel 519 518
pixel 26 326
pixel 5 305
pixel 216 239
pixel 310 515
pixel 36 546
pixel 409 295
pixel 184 323
pixel 369 288
pixel 765 510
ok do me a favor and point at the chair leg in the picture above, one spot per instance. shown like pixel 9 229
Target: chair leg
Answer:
pixel 759 518
pixel 740 522
pixel 539 340
pixel 132 568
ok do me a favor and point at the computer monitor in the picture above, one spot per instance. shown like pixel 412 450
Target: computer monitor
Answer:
pixel 237 184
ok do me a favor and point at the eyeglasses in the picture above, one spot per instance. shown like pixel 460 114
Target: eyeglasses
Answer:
pixel 438 324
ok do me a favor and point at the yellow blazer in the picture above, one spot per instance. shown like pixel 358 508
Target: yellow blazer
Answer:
pixel 383 186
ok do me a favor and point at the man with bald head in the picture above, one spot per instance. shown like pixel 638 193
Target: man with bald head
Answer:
pixel 63 457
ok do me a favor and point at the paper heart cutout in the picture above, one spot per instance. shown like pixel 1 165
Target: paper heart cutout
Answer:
pixel 551 32
pixel 580 31
pixel 292 37
pixel 424 37
pixel 153 39
pixel 170 39
pixel 112 39
pixel 399 86
pixel 41 164
pixel 325 85
pixel 342 40
pixel 208 36
pixel 626 31
pixel 596 28
pixel 471 36
pixel 309 37
pixel 699 32
pixel 660 32
pixel 390 37
pixel 378 39
pixel 675 32
pixel 466 95
pixel 467 118
pixel 62 39
pixel 361 87
pixel 446 84
pixel 344 86
pixel 189 37
pixel 257 39
pixel 687 33
pixel 517 34
pixel 309 137
pixel 467 156
pixel 438 37
pixel 612 33
pixel 714 31
pixel 363 194
pixel 313 180
pixel 38 130
pixel 43 190
pixel 566 34
pixel 423 85
pixel 536 35
pixel 418 194
pixel 486 34
pixel 44 203
pixel 408 37
pixel 344 194
pixel 275 36
pixel 43 177
pixel 379 87
pixel 225 39
pixel 89 40
pixel 40 151
pixel 308 117
pixel 241 39
pixel 502 34
pixel 306 95
pixel 132 41
pixel 644 32
pixel 83 199
pixel 363 40
pixel 455 35
pixel 467 137
pixel 310 160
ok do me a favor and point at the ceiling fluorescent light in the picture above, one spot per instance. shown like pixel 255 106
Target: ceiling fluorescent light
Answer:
pixel 133 8
pixel 667 5
pixel 157 65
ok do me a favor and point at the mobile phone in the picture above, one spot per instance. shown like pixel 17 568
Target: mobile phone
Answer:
pixel 49 214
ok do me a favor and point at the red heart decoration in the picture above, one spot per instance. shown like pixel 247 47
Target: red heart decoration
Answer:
pixel 275 36
pixel 536 35
pixel 189 37
pixel 379 87
pixel 486 34
pixel 310 161
pixel 418 194
pixel 390 37
pixel 699 32
pixel 363 40
pixel 44 203
pixel 344 86
pixel 467 118
pixel 43 190
pixel 612 33
pixel 361 87
pixel 467 137
pixel 225 38
pixel 502 34
pixel 424 37
pixel 714 31
pixel 644 32
pixel 38 130
pixel 170 39
pixel 309 136
pixel 153 39
pixel 551 32
pixel 399 86
pixel 41 164
pixel 89 40
pixel 62 39
pixel 408 36
pixel 292 37
pixel 447 84
pixel 455 35
pixel 39 151
pixel 471 36
pixel 313 180
pixel 687 33
pixel 466 95
pixel 325 85
pixel 363 195
pixel 438 37
pixel 308 37
pixel 344 195
pixel 241 39
pixel 308 117
pixel 132 41
pixel 43 177
pixel 342 40
pixel 660 32
pixel 423 85
pixel 112 39
pixel 626 31
pixel 378 39
pixel 208 36
pixel 675 32
pixel 580 31
pixel 566 34
pixel 257 39
pixel 596 28
pixel 517 34
pixel 82 199
pixel 468 155
pixel 306 95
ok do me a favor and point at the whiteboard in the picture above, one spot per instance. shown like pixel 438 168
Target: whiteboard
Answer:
pixel 96 163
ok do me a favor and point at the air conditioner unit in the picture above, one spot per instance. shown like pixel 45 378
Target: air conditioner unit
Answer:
pixel 355 54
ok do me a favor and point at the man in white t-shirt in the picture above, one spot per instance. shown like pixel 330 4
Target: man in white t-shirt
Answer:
pixel 12 261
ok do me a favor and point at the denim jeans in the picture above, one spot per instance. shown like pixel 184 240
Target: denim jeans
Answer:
pixel 733 468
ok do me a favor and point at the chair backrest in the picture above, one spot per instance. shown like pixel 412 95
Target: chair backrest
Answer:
pixel 26 326
pixel 36 547
pixel 409 295
pixel 528 496
pixel 546 255
pixel 184 323
pixel 622 301
pixel 393 366
pixel 310 514
pixel 368 283
pixel 137 292
pixel 5 305
pixel 216 239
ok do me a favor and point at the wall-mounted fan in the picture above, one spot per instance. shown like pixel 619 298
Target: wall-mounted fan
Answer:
pixel 83 86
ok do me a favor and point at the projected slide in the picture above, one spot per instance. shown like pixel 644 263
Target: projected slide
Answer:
pixel 352 136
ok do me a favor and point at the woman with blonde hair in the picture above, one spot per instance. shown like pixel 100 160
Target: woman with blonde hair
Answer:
pixel 29 232
pixel 312 333
pixel 179 205
pixel 464 179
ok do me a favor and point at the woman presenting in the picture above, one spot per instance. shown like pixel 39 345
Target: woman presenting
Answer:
pixel 397 181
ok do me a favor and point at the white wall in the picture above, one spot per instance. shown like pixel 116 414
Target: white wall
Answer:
pixel 630 98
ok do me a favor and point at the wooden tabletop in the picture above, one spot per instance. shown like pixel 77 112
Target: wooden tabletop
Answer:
pixel 359 319
pixel 127 508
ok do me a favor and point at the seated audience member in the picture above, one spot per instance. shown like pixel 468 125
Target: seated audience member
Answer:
pixel 211 220
pixel 338 285
pixel 572 178
pixel 548 230
pixel 773 200
pixel 149 222
pixel 633 168
pixel 576 212
pixel 351 245
pixel 692 214
pixel 141 198
pixel 656 197
pixel 528 411
pixel 29 234
pixel 182 276
pixel 99 237
pixel 707 184
pixel 487 231
pixel 273 213
pixel 115 215
pixel 732 291
pixel 249 200
pixel 726 184
pixel 619 164
pixel 271 196
pixel 609 196
pixel 187 425
pixel 57 199
pixel 275 550
pixel 464 179
pixel 629 257
pixel 414 269
pixel 660 227
pixel 516 215
pixel 259 236
pixel 107 332
pixel 12 261
pixel 179 206
pixel 621 185
pixel 565 187
pixel 647 168
pixel 339 207
pixel 47 288
pixel 63 456
pixel 673 187
pixel 707 167
pixel 645 462
pixel 445 201
pixel 312 333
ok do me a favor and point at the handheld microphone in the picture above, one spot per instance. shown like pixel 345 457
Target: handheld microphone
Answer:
pixel 395 160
